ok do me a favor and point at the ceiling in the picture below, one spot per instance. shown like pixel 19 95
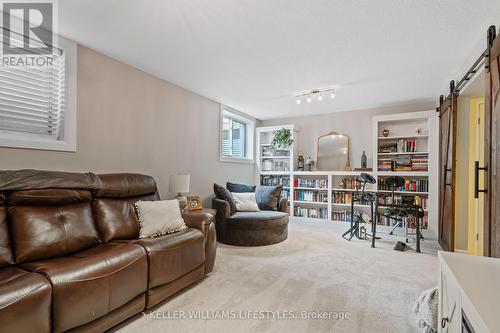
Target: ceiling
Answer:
pixel 254 55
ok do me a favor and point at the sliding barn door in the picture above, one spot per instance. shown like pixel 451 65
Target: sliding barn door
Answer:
pixel 492 145
pixel 447 140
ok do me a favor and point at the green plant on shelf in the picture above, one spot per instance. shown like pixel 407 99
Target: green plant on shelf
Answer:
pixel 282 138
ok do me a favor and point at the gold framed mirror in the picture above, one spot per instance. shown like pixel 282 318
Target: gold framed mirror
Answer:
pixel 333 152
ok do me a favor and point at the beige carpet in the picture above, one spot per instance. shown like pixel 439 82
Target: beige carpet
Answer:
pixel 314 270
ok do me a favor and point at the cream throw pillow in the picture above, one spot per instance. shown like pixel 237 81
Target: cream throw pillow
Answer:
pixel 158 218
pixel 245 202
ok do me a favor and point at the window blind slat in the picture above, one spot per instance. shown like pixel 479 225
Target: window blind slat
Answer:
pixel 29 115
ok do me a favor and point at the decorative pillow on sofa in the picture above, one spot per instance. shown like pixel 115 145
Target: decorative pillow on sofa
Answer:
pixel 158 218
pixel 223 194
pixel 239 188
pixel 268 197
pixel 245 202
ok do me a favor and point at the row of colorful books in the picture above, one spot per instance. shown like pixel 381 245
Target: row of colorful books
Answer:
pixel 310 196
pixel 266 180
pixel 411 185
pixel 310 183
pixel 317 213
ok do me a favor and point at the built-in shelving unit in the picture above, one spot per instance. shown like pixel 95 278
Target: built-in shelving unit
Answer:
pixel 326 195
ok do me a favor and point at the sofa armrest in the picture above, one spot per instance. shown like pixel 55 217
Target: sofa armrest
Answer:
pixel 204 220
pixel 222 207
pixel 223 212
pixel 283 205
pixel 200 220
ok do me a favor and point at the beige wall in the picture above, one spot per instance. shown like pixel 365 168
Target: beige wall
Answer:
pixel 129 121
pixel 358 125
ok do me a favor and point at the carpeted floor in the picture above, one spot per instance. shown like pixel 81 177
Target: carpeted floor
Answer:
pixel 313 270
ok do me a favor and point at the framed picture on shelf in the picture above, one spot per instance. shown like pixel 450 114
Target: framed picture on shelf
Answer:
pixel 194 203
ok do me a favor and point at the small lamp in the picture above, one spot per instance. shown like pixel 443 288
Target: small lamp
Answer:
pixel 179 184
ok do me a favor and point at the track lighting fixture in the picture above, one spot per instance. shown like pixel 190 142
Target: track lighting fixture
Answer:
pixel 316 93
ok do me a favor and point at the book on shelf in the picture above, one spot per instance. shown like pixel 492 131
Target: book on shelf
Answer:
pixel 310 196
pixel 310 183
pixel 411 185
pixel 387 200
pixel 272 180
pixel 386 221
pixel 399 146
pixel 311 212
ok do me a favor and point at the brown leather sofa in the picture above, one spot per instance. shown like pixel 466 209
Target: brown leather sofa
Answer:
pixel 71 258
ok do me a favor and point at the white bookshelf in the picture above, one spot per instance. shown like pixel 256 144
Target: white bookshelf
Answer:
pixel 403 128
pixel 400 126
pixel 274 164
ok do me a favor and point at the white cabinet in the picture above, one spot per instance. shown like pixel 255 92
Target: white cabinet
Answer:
pixel 469 293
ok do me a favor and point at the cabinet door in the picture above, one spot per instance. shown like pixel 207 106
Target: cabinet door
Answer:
pixel 450 320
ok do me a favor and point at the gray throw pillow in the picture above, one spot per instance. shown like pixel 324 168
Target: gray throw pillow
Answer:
pixel 240 188
pixel 223 194
pixel 268 197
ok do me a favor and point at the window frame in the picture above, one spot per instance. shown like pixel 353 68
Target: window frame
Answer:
pixel 226 111
pixel 13 139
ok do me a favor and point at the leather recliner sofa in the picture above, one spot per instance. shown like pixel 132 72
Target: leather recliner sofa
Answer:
pixel 71 259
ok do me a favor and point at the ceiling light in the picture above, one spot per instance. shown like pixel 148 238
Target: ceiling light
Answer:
pixel 309 99
pixel 320 97
pixel 332 94
pixel 298 101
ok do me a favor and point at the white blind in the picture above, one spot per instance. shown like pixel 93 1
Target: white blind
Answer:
pixel 233 137
pixel 32 98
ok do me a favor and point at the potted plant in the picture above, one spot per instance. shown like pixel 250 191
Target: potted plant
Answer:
pixel 282 139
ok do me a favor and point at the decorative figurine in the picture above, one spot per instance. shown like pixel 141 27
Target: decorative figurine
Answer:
pixel 385 132
pixel 300 163
pixel 309 163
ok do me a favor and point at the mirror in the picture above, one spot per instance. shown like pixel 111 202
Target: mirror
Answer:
pixel 333 152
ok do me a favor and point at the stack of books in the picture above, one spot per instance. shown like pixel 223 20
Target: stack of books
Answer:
pixel 403 163
pixel 420 163
pixel 385 164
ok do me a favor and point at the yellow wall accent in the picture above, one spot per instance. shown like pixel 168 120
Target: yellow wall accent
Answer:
pixel 476 153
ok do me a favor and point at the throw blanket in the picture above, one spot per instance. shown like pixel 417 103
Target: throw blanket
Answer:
pixel 425 311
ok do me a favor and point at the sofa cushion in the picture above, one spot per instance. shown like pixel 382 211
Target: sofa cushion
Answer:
pixel 223 193
pixel 48 197
pixel 25 301
pixel 158 218
pixel 240 188
pixel 171 256
pixel 245 202
pixel 262 215
pixel 42 232
pixel 116 217
pixel 257 220
pixel 27 179
pixel 268 197
pixel 6 257
pixel 125 185
pixel 89 284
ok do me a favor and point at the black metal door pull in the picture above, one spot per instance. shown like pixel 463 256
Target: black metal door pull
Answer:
pixel 476 179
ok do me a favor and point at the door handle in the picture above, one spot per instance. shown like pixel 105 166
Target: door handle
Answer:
pixel 476 179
